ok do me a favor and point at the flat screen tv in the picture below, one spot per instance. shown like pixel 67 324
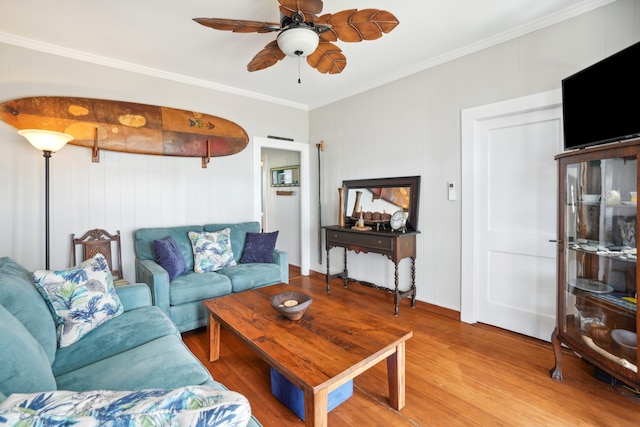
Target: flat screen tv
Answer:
pixel 600 103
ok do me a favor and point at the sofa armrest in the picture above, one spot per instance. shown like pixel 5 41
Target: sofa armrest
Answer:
pixel 134 295
pixel 157 278
pixel 282 259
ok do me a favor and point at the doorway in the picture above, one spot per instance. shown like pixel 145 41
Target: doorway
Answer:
pixel 281 199
pixel 509 183
pixel 260 143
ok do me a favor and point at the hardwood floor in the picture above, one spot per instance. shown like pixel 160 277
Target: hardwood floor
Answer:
pixel 457 375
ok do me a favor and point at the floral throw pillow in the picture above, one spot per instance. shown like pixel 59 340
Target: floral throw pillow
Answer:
pixel 80 298
pixel 211 250
pixel 185 406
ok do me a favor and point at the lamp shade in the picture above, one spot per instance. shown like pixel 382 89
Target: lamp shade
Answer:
pixel 298 41
pixel 46 140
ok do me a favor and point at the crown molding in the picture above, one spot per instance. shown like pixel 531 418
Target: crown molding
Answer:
pixel 57 50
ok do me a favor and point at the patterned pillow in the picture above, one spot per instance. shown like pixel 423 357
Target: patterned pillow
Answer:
pixel 258 247
pixel 185 406
pixel 80 298
pixel 211 250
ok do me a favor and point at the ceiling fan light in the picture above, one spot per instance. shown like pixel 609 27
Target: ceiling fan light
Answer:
pixel 298 41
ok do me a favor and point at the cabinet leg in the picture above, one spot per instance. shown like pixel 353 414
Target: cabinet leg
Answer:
pixel 556 371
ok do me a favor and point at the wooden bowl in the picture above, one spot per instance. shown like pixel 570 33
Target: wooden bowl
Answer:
pixel 291 305
pixel 600 335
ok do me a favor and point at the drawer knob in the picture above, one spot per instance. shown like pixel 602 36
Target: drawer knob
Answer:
pixel 379 242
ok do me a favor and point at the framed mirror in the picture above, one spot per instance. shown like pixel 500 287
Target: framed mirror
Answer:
pixel 285 176
pixel 383 195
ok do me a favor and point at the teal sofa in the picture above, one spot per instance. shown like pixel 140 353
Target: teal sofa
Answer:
pixel 139 349
pixel 182 298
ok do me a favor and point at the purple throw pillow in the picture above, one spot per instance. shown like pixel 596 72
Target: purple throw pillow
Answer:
pixel 169 257
pixel 258 247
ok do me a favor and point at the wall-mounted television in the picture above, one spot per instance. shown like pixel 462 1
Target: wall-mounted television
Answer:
pixel 600 103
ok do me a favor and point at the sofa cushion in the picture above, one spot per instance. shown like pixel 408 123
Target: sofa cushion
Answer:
pixel 19 295
pixel 198 287
pixel 169 257
pixel 238 234
pixel 25 365
pixel 144 238
pixel 250 276
pixel 81 297
pixel 258 247
pixel 211 250
pixel 129 330
pixel 185 406
pixel 140 368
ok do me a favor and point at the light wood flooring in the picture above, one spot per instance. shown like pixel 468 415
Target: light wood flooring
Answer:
pixel 456 375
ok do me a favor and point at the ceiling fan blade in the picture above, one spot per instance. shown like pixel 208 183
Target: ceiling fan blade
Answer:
pixel 308 8
pixel 238 25
pixel 327 58
pixel 267 57
pixel 354 25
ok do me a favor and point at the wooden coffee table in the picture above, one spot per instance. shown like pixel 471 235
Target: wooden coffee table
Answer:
pixel 330 345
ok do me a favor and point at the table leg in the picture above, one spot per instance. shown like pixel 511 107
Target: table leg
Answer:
pixel 413 282
pixel 316 408
pixel 328 273
pixel 214 339
pixel 346 271
pixel 396 294
pixel 396 374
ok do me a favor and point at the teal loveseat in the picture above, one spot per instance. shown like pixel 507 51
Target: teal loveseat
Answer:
pixel 140 349
pixel 182 298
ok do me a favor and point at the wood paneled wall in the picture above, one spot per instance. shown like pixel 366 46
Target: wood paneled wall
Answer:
pixel 124 191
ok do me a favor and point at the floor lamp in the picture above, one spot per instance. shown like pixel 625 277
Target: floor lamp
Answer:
pixel 48 142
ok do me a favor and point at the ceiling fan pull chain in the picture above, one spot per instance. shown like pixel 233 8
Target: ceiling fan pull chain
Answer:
pixel 299 59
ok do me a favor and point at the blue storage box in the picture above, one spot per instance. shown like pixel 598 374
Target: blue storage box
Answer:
pixel 293 397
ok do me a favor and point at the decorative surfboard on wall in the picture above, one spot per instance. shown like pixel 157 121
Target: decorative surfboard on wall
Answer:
pixel 128 127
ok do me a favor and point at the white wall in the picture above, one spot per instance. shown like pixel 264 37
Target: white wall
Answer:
pixel 124 191
pixel 412 127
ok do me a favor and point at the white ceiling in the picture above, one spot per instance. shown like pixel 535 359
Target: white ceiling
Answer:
pixel 158 37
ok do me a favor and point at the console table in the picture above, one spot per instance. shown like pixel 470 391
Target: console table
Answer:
pixel 395 245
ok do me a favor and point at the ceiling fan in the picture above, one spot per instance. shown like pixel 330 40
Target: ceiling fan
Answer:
pixel 301 33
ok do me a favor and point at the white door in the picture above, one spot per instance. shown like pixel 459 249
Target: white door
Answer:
pixel 513 215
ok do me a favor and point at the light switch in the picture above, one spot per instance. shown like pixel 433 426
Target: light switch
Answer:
pixel 451 185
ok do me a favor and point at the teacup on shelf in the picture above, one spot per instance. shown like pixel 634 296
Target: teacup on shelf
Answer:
pixel 612 197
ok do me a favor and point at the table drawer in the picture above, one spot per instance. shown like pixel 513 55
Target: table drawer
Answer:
pixel 363 240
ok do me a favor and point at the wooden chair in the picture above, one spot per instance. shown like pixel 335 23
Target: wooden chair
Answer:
pixel 99 241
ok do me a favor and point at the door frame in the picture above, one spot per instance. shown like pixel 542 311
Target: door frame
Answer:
pixel 305 224
pixel 470 127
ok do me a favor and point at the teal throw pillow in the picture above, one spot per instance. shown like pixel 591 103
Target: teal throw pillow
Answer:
pixel 81 298
pixel 211 250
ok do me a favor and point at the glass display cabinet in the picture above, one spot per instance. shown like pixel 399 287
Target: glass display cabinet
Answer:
pixel 597 314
